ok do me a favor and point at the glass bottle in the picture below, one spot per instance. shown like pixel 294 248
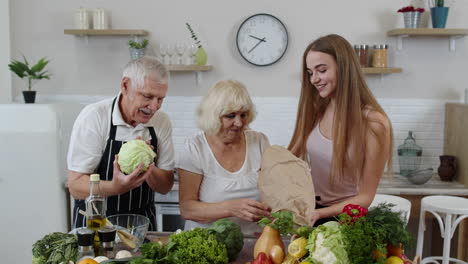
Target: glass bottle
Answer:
pixel 85 243
pixel 409 155
pixel 96 206
pixel 107 241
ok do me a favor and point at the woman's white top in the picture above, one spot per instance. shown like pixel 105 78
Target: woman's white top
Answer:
pixel 219 184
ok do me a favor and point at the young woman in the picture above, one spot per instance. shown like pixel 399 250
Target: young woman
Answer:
pixel 340 128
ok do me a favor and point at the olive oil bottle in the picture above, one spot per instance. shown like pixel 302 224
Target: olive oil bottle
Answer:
pixel 96 206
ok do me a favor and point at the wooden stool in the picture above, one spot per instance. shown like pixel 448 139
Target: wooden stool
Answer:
pixel 455 210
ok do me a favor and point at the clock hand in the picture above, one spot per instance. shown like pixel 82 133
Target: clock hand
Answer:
pixel 257 38
pixel 258 43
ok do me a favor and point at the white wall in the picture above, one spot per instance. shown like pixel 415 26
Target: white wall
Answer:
pixel 5 75
pixel 430 70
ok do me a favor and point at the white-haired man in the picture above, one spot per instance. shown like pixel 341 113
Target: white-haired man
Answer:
pixel 101 129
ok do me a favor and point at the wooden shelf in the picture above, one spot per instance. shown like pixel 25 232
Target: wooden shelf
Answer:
pixel 451 33
pixel 188 68
pixel 381 70
pixel 106 32
pixel 430 32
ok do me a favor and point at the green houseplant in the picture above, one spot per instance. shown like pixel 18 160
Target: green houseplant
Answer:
pixel 200 56
pixel 31 73
pixel 439 3
pixel 439 13
pixel 137 48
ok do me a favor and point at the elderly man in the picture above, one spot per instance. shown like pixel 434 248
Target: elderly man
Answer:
pixel 101 129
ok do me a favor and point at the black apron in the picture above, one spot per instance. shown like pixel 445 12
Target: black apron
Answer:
pixel 137 201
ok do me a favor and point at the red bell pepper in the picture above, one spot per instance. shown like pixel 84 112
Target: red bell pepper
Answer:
pixel 355 211
pixel 262 258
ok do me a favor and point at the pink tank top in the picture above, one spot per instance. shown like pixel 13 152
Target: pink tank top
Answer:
pixel 320 151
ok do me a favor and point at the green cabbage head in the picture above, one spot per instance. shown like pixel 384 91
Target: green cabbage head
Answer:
pixel 326 245
pixel 133 153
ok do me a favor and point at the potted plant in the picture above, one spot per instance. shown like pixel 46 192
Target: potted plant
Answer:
pixel 137 48
pixel 411 16
pixel 439 13
pixel 200 56
pixel 35 72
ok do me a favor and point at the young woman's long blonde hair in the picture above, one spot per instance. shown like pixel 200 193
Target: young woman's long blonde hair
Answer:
pixel 350 124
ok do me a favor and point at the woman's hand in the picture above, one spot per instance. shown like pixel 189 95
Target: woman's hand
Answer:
pixel 314 217
pixel 248 209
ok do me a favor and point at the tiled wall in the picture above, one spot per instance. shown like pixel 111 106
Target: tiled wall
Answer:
pixel 276 118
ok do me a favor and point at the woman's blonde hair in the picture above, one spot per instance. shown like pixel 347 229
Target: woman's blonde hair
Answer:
pixel 353 100
pixel 224 97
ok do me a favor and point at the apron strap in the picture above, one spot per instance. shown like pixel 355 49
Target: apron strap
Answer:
pixel 113 128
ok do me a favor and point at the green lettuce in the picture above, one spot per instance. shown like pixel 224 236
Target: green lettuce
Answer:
pixel 326 245
pixel 133 153
pixel 196 246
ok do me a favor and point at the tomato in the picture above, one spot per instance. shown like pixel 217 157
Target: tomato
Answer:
pixel 394 250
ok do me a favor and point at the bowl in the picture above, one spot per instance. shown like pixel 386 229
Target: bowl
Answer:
pixel 133 224
pixel 420 176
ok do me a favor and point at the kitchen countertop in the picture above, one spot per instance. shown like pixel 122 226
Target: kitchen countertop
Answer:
pixel 399 185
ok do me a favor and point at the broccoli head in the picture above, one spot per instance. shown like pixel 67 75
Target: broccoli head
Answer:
pixel 230 234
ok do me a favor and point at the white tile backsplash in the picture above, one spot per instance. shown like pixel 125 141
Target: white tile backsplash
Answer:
pixel 276 118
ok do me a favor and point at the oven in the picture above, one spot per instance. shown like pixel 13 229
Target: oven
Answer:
pixel 168 218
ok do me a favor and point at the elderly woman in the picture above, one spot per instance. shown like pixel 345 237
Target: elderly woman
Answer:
pixel 218 167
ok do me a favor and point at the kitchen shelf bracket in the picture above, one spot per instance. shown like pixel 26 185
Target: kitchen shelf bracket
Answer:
pixel 452 40
pixel 400 41
pixel 198 77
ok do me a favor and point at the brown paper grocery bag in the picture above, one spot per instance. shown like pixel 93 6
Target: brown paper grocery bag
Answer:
pixel 285 183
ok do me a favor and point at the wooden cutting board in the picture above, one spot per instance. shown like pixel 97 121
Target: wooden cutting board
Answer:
pixel 456 138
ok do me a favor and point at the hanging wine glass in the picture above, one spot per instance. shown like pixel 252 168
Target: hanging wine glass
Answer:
pixel 180 49
pixel 163 52
pixel 170 52
pixel 193 50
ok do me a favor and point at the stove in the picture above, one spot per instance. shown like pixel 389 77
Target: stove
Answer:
pixel 168 218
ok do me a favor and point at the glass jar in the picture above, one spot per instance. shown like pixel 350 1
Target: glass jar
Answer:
pixel 357 49
pixel 107 241
pixel 379 58
pixel 85 243
pixel 409 155
pixel 363 55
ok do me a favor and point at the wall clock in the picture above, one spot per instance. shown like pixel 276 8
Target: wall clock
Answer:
pixel 262 39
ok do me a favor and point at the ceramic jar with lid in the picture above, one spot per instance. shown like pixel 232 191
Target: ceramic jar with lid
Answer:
pixel 379 58
pixel 82 19
pixel 100 19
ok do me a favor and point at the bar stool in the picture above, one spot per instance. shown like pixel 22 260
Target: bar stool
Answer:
pixel 402 205
pixel 455 210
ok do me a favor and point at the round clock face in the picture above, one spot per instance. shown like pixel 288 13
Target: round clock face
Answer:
pixel 262 39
